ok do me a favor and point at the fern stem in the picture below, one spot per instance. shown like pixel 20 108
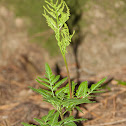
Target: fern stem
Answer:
pixel 70 86
pixel 61 115
pixel 58 32
pixel 68 74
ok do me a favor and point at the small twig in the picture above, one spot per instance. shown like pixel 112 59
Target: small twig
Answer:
pixel 5 123
pixel 109 123
pixel 8 107
pixel 92 113
pixel 114 106
pixel 105 104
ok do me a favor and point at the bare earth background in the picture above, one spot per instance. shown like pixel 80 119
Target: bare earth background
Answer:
pixel 102 53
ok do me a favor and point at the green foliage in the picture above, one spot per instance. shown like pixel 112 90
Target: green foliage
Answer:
pixel 121 82
pixel 56 16
pixel 52 120
pixel 31 10
pixel 62 98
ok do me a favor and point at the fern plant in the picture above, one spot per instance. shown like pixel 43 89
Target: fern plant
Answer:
pixel 64 99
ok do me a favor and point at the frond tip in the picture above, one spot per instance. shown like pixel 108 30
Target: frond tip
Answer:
pixel 56 14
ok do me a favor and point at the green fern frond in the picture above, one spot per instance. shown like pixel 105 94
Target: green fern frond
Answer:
pixel 66 39
pixel 47 120
pixel 39 121
pixel 73 87
pixel 82 89
pixel 55 79
pixel 43 79
pixel 51 81
pixel 55 101
pixel 46 117
pixel 59 83
pixel 56 15
pixel 54 119
pixel 48 71
pixel 95 86
pixel 43 92
pixel 78 108
pixel 70 103
pixel 44 84
pixel 60 92
pixel 69 121
pixel 98 91
pixel 65 90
